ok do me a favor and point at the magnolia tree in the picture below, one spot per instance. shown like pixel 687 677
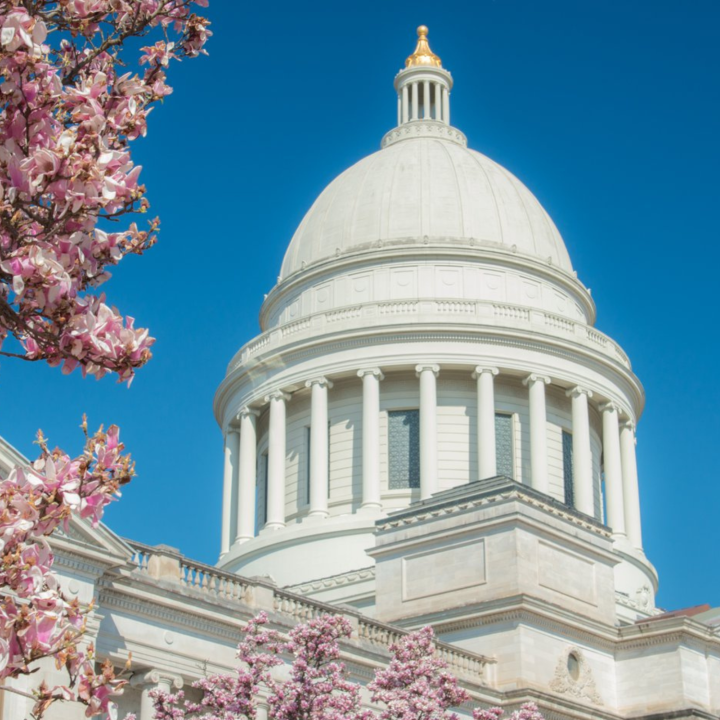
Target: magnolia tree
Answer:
pixel 414 686
pixel 70 109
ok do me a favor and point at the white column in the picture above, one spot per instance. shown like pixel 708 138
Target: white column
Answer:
pixel 582 453
pixel 613 469
pixel 229 487
pixel 276 460
pixel 247 479
pixel 426 100
pixel 486 452
pixel 399 109
pixel 371 378
pixel 446 106
pixel 154 680
pixel 438 101
pixel 631 491
pixel 428 429
pixel 538 432
pixel 319 486
pixel 405 104
pixel 415 101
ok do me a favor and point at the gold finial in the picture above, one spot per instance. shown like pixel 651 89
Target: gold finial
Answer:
pixel 423 55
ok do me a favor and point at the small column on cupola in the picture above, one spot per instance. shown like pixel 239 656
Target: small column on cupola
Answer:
pixel 423 87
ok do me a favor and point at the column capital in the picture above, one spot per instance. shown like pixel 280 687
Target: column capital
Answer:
pixel 155 677
pixel 277 395
pixel 609 406
pixel 246 411
pixel 627 425
pixel 435 369
pixel 480 369
pixel 534 377
pixel 232 428
pixel 577 391
pixel 322 381
pixel 377 372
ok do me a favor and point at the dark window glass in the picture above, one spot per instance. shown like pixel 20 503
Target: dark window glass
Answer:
pixel 404 449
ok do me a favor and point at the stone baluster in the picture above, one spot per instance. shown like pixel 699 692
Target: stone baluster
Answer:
pixel 631 493
pixel 276 460
pixel 247 475
pixel 428 429
pixel 582 453
pixel 613 470
pixel 371 438
pixel 319 485
pixel 538 432
pixel 486 450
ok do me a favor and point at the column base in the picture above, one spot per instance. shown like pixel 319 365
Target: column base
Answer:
pixel 374 508
pixel 273 526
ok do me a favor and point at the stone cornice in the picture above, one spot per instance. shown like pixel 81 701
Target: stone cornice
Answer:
pixel 576 628
pixel 323 346
pixel 157 608
pixel 327 583
pixel 483 492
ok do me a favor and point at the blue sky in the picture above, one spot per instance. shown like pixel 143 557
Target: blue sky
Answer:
pixel 608 110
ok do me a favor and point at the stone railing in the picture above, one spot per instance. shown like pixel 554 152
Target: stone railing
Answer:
pixel 469 312
pixel 165 563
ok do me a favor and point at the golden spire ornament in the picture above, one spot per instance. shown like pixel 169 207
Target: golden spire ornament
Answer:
pixel 423 55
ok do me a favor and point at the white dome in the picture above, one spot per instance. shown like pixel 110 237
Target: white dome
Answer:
pixel 425 189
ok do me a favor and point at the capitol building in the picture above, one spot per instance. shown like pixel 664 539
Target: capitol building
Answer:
pixel 427 430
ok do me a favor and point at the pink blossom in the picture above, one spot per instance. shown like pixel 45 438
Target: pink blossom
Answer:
pixel 68 120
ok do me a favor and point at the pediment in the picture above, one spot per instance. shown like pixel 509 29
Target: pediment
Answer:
pixel 83 539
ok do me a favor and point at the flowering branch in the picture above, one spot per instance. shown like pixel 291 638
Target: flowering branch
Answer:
pixel 36 620
pixel 68 114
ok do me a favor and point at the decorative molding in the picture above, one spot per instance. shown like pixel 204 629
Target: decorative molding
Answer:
pixel 577 391
pixel 480 369
pixel 277 395
pixel 424 128
pixel 534 377
pixel 228 629
pixel 574 677
pixel 435 369
pixel 348 578
pixel 418 515
pixel 246 411
pixel 155 677
pixel 377 372
pixel 609 406
pixel 322 381
pixel 551 346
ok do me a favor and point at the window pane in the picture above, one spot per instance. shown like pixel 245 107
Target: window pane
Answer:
pixel 404 449
pixel 261 493
pixel 504 445
pixel 567 451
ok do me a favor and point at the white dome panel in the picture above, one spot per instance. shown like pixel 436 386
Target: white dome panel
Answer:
pixel 419 188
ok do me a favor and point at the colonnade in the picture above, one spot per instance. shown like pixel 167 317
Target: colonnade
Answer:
pixel 620 465
pixel 424 100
